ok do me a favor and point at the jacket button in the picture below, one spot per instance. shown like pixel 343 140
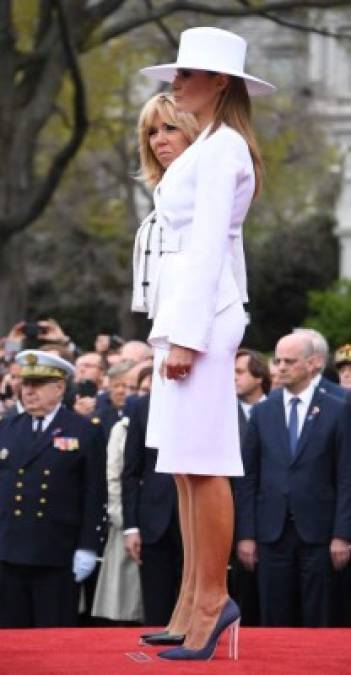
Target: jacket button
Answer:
pixel 18 498
pixel 44 486
pixel 46 472
pixel 18 512
pixel 19 484
pixel 42 500
pixel 21 472
pixel 39 514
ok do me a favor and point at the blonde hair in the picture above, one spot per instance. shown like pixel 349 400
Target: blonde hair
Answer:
pixel 162 105
pixel 234 109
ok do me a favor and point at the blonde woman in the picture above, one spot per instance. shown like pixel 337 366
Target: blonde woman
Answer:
pixel 164 134
pixel 199 320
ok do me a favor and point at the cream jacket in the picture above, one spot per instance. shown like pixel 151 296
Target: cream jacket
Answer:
pixel 201 203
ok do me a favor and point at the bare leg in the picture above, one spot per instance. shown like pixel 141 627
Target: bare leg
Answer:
pixel 180 620
pixel 213 512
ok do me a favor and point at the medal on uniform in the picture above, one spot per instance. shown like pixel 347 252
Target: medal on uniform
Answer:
pixel 65 444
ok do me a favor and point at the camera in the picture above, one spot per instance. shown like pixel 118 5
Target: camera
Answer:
pixel 86 388
pixel 116 342
pixel 7 393
pixel 31 330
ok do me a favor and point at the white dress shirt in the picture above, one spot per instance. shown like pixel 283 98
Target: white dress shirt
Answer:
pixel 305 398
pixel 316 380
pixel 47 419
pixel 247 407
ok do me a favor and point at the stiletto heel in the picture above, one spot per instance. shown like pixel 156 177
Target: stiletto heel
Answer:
pixel 233 640
pixel 229 619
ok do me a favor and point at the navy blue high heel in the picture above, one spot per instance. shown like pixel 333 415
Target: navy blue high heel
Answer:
pixel 229 619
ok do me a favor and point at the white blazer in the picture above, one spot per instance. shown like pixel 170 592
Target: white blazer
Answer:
pixel 201 203
pixel 146 259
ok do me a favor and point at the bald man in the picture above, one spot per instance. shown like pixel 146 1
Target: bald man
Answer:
pixel 294 504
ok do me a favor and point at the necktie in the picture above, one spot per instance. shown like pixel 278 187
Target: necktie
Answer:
pixel 293 425
pixel 39 426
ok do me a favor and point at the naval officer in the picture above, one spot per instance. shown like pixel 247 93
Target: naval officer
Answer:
pixel 52 486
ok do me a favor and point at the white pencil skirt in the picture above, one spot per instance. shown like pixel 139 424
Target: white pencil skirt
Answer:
pixel 194 422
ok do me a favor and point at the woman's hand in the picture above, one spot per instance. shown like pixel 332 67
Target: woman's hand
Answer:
pixel 178 363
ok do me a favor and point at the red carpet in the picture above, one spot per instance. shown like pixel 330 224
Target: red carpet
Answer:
pixel 104 651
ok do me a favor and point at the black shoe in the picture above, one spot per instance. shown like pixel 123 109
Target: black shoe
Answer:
pixel 162 638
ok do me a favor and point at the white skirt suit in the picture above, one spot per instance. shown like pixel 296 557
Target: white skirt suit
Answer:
pixel 197 296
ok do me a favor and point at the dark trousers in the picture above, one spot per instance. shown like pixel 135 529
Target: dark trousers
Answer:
pixel 341 598
pixel 37 597
pixel 160 576
pixel 243 587
pixel 291 570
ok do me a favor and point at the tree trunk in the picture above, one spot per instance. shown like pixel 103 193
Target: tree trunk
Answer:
pixel 13 292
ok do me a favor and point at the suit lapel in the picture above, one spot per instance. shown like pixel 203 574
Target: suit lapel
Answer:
pixel 309 423
pixel 36 446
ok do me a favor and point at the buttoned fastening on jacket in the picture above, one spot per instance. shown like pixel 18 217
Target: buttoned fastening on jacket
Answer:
pixel 52 489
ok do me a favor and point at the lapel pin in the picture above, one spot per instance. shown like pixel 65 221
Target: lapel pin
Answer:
pixel 4 453
pixel 315 410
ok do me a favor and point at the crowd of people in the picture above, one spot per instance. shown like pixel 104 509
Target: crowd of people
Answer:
pixel 302 580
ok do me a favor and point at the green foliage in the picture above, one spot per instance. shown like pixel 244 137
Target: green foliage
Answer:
pixel 329 311
pixel 25 18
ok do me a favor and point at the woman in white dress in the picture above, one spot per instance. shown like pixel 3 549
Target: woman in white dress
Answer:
pixel 197 308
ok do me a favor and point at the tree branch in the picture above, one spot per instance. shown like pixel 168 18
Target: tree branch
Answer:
pixel 296 25
pixel 103 9
pixel 173 41
pixel 118 27
pixel 302 28
pixel 46 189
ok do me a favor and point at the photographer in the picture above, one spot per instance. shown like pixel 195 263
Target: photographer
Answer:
pixel 88 382
pixel 31 334
pixel 10 393
pixel 105 345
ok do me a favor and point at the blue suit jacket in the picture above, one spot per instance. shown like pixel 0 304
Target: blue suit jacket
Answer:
pixel 315 486
pixel 332 388
pixel 52 498
pixel 149 499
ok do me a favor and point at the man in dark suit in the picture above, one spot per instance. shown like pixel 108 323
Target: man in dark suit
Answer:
pixel 150 521
pixel 252 383
pixel 294 504
pixel 52 485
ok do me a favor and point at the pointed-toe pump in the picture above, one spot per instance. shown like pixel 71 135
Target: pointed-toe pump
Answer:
pixel 229 619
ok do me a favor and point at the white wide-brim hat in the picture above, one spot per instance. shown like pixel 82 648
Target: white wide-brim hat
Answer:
pixel 210 49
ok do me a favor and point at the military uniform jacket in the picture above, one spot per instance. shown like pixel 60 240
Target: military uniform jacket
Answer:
pixel 53 489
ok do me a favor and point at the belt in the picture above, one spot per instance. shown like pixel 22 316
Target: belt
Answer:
pixel 171 242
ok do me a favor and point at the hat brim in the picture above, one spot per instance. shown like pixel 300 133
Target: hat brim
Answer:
pixel 168 71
